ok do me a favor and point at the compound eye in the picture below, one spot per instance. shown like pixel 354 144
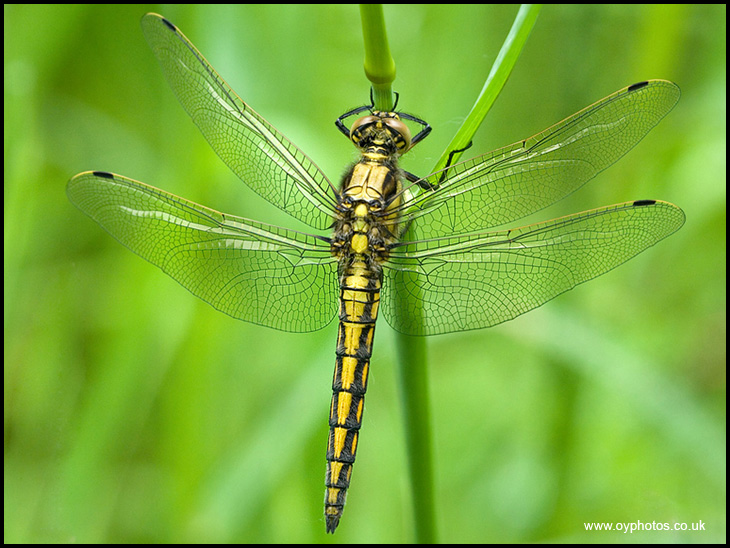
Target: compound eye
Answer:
pixel 403 134
pixel 360 123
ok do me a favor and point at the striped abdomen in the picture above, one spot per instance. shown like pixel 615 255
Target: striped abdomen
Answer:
pixel 359 299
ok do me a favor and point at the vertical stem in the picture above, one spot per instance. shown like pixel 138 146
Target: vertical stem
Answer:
pixel 379 63
pixel 413 383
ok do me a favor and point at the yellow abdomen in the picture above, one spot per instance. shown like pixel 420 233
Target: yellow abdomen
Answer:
pixel 359 300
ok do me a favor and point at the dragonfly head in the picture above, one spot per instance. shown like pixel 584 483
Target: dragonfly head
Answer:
pixel 381 129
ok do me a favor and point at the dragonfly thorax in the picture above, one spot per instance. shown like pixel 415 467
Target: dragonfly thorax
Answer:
pixel 360 230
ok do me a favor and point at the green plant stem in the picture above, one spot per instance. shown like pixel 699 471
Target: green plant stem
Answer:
pixel 379 63
pixel 413 382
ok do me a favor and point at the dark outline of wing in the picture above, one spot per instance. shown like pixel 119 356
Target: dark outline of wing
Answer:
pixel 460 279
pixel 300 279
pixel 512 182
pixel 274 167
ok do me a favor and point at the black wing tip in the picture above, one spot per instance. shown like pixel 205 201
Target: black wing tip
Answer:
pixel 656 82
pixel 152 15
pixel 638 85
pixel 103 174
pixel 169 25
pixel 639 203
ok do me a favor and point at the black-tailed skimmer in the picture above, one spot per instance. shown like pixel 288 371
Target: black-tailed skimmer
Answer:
pixel 419 250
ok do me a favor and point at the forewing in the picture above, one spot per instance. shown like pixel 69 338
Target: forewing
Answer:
pixel 252 271
pixel 261 156
pixel 480 280
pixel 520 179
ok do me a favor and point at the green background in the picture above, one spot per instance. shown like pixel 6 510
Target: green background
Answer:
pixel 137 413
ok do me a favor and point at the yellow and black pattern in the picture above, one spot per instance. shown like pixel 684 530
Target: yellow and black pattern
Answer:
pixel 363 232
pixel 360 296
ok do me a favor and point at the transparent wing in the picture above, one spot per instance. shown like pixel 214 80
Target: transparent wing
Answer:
pixel 261 156
pixel 520 179
pixel 479 280
pixel 252 271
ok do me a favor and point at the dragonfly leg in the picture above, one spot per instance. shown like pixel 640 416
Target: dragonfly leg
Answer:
pixel 413 178
pixel 340 121
pixel 421 135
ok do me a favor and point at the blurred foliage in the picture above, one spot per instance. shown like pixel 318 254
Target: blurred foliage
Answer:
pixel 136 413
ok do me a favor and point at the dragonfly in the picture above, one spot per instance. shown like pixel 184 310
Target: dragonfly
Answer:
pixel 422 250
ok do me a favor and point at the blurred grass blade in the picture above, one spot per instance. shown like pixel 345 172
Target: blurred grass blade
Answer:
pixel 501 70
